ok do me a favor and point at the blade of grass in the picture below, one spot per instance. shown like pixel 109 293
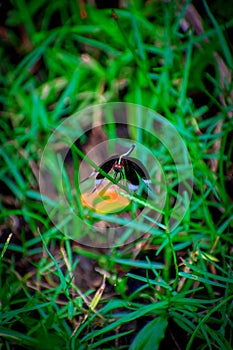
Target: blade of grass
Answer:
pixel 205 318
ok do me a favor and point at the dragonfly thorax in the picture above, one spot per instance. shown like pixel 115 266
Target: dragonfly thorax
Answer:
pixel 117 167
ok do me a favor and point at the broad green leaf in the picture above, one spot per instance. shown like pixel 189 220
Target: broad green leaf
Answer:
pixel 151 335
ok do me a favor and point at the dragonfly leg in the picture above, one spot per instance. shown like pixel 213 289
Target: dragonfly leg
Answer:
pixel 91 175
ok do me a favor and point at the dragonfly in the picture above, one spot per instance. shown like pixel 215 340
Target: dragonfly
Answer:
pixel 123 166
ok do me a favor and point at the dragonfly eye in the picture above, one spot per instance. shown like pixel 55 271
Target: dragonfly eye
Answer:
pixel 117 167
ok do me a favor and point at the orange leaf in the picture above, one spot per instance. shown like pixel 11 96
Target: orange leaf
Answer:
pixel 105 199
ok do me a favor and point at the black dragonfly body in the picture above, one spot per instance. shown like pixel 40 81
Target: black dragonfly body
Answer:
pixel 123 165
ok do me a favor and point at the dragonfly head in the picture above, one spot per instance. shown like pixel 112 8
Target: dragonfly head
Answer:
pixel 117 167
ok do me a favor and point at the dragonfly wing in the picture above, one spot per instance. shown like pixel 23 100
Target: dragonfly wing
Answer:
pixel 106 167
pixel 139 170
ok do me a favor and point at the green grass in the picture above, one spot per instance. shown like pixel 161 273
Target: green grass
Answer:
pixel 172 289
